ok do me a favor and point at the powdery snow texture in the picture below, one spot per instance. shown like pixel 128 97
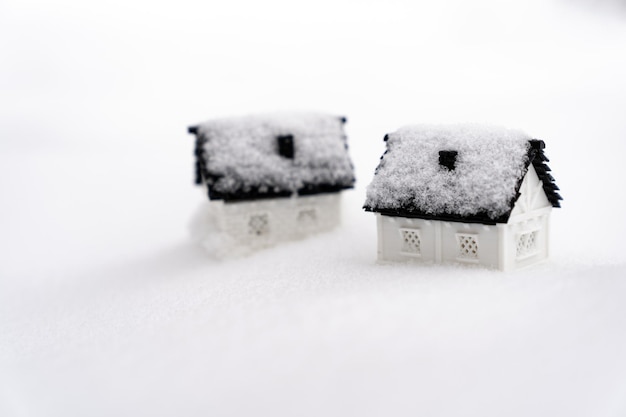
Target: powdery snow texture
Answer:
pixel 242 153
pixel 490 162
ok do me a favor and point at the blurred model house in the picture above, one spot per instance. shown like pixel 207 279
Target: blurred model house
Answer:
pixel 270 178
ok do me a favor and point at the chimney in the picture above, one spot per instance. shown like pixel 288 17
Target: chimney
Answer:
pixel 448 159
pixel 285 146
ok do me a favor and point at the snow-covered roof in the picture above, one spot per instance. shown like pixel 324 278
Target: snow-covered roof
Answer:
pixel 462 172
pixel 272 155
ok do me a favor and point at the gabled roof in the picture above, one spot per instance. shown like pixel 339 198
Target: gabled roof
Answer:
pixel 466 173
pixel 272 155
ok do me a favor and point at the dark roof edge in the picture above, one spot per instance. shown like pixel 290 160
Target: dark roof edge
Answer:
pixel 538 159
pixel 324 188
pixel 247 196
pixel 201 171
pixel 255 194
pixel 481 218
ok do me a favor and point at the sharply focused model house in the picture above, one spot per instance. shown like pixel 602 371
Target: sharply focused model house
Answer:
pixel 463 193
pixel 270 178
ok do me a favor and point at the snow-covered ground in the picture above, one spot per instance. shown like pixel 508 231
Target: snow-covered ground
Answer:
pixel 107 307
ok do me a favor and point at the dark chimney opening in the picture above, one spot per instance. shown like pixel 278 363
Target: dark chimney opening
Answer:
pixel 448 159
pixel 285 146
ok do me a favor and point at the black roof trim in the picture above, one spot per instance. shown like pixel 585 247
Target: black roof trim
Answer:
pixel 538 159
pixel 252 194
pixel 255 194
pixel 201 169
pixel 481 218
pixel 309 189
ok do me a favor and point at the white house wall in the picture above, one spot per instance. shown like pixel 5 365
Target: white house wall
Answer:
pixel 261 223
pixel 539 228
pixel 532 197
pixel 521 242
pixel 440 242
pixel 530 217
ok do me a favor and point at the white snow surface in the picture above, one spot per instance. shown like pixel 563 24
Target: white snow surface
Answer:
pixel 490 162
pixel 243 151
pixel 108 308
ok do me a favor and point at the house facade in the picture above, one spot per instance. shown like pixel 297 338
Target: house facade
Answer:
pixel 269 179
pixel 463 194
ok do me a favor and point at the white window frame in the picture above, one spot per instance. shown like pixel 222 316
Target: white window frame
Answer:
pixel 461 257
pixel 403 242
pixel 527 254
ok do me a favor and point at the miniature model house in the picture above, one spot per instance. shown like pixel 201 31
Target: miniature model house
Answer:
pixel 463 193
pixel 270 178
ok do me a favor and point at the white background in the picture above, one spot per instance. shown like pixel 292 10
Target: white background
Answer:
pixel 108 308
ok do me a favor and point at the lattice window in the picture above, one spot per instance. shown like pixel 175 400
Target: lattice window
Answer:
pixel 468 246
pixel 307 217
pixel 526 244
pixel 411 242
pixel 259 225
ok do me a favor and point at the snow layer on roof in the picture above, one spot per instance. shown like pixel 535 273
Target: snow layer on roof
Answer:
pixel 490 162
pixel 243 152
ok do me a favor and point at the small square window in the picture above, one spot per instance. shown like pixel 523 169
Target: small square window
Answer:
pixel 468 246
pixel 411 242
pixel 526 244
pixel 259 225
